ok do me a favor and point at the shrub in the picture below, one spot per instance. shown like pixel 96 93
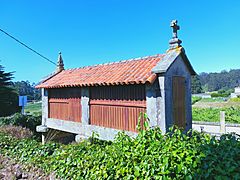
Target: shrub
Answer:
pixel 195 99
pixel 221 158
pixel 27 121
pixel 221 93
pixel 16 131
pixel 151 155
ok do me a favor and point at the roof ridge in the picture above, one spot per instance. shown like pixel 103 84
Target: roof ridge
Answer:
pixel 117 62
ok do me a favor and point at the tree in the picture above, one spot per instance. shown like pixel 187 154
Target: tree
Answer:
pixel 8 95
pixel 224 80
pixel 24 88
pixel 196 85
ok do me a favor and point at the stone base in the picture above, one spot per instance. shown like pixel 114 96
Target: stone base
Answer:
pixel 42 129
pixel 80 138
pixel 85 130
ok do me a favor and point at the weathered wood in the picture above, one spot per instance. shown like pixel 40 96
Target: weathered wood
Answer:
pixel 65 103
pixel 117 107
pixel 179 105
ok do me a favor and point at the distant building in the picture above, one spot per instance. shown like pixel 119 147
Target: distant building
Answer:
pixel 236 92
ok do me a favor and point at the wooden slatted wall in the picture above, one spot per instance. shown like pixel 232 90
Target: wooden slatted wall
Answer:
pixel 117 107
pixel 179 107
pixel 65 104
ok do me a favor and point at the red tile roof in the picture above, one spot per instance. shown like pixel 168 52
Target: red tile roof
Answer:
pixel 136 71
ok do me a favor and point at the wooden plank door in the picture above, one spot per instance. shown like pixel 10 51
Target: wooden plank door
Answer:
pixel 179 106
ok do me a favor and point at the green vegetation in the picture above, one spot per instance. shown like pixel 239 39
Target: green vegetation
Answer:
pixel 222 93
pixel 9 92
pixel 224 80
pixel 16 131
pixel 195 99
pixel 26 121
pixel 196 85
pixel 217 99
pixel 150 155
pixel 8 96
pixel 212 114
pixel 234 99
pixel 34 108
pixel 24 88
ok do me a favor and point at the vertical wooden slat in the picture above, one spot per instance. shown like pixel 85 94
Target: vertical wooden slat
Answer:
pixel 65 104
pixel 117 106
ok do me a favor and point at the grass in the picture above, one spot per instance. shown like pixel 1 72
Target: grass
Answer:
pixel 216 103
pixel 217 99
pixel 34 108
pixel 208 109
pixel 232 114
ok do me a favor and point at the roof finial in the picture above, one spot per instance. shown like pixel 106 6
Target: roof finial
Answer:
pixel 175 42
pixel 60 65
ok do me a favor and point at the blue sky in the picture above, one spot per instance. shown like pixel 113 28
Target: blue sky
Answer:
pixel 94 32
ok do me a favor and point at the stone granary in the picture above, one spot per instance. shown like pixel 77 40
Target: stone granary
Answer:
pixel 108 98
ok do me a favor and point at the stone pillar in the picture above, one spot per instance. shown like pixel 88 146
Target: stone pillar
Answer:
pixel 161 105
pixel 85 105
pixel 188 103
pixel 151 102
pixel 43 128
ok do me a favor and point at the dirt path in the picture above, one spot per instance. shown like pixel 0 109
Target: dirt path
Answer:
pixel 9 170
pixel 215 104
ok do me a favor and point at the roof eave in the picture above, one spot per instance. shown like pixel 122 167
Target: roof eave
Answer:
pixel 39 85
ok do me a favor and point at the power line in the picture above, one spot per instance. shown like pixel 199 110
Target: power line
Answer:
pixel 27 47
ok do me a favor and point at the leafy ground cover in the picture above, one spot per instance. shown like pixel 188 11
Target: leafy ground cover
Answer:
pixel 232 114
pixel 195 99
pixel 151 155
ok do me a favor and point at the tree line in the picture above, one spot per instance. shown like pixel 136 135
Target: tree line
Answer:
pixel 224 80
pixel 9 92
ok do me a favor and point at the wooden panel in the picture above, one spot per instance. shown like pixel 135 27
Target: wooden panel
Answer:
pixel 179 107
pixel 65 104
pixel 58 110
pixel 117 106
pixel 123 118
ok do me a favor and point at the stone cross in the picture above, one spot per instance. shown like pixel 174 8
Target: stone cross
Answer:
pixel 175 28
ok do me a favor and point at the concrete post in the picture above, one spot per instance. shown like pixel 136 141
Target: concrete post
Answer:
pixel 151 105
pixel 43 138
pixel 44 112
pixel 44 106
pixel 222 122
pixel 85 105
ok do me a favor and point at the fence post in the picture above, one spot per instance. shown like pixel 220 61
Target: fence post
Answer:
pixel 43 138
pixel 222 122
